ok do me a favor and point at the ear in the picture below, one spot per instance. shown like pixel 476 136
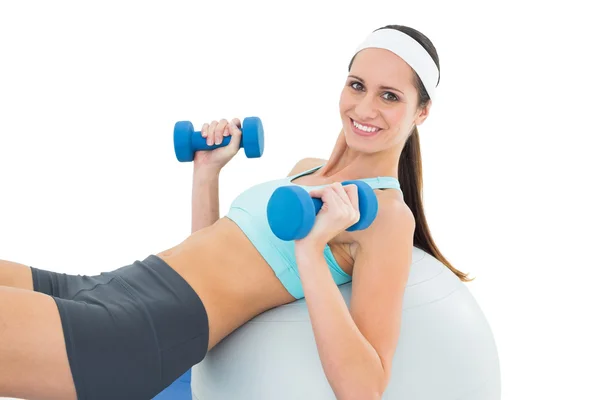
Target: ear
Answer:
pixel 423 113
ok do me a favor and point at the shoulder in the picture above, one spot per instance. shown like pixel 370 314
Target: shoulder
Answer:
pixel 306 163
pixel 394 221
pixel 393 214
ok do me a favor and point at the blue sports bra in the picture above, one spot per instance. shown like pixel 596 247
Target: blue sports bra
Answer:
pixel 249 211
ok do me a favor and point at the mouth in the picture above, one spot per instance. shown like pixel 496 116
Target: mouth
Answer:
pixel 364 130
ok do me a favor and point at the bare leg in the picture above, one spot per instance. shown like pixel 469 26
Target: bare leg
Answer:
pixel 33 356
pixel 15 275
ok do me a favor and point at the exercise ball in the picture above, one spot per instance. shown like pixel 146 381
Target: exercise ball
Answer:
pixel 446 350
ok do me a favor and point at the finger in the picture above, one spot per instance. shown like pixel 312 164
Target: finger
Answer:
pixel 332 196
pixel 204 130
pixel 346 206
pixel 316 193
pixel 352 193
pixel 226 128
pixel 236 135
pixel 219 131
pixel 325 194
pixel 235 126
pixel 341 192
pixel 210 140
pixel 320 192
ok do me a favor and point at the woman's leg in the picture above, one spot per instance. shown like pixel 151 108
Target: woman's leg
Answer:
pixel 122 335
pixel 15 275
pixel 33 356
pixel 56 284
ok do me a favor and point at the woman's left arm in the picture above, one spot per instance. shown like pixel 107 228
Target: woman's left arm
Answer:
pixel 356 346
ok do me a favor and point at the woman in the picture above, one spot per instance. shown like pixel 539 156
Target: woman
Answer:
pixel 129 333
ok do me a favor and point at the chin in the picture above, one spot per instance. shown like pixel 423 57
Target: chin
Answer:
pixel 356 143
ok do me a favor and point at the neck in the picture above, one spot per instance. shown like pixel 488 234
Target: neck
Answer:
pixel 345 163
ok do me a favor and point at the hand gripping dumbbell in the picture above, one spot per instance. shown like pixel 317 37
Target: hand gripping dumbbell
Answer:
pixel 187 141
pixel 291 212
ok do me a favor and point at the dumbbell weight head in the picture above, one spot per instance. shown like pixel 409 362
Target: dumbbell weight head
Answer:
pixel 291 212
pixel 187 141
pixel 367 205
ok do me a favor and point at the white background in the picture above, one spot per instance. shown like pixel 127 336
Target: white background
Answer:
pixel 89 94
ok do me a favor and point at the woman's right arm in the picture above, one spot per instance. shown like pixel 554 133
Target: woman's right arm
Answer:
pixel 205 199
pixel 207 167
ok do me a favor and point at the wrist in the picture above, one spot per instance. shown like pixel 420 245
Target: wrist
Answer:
pixel 206 175
pixel 310 246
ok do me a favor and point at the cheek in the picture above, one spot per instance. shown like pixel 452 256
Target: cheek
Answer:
pixel 399 121
pixel 399 127
pixel 345 101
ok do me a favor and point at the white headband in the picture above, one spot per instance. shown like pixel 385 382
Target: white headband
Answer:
pixel 409 50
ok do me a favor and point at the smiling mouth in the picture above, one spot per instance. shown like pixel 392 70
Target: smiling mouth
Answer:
pixel 363 130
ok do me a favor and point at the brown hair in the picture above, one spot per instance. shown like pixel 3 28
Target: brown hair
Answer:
pixel 410 173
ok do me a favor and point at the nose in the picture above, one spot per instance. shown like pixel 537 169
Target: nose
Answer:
pixel 365 109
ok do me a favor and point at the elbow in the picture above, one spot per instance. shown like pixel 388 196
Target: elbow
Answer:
pixel 363 394
pixel 372 391
pixel 362 383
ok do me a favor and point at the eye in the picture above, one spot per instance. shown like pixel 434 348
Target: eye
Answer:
pixel 394 97
pixel 358 87
pixel 355 83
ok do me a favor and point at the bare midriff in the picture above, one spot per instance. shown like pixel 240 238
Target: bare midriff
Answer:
pixel 231 277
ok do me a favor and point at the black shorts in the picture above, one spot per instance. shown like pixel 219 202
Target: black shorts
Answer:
pixel 129 333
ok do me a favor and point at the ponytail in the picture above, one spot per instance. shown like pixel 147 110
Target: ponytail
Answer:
pixel 410 175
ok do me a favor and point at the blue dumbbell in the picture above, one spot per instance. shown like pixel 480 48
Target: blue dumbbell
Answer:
pixel 187 141
pixel 291 212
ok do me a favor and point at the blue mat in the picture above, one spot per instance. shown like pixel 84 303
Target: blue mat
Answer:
pixel 181 389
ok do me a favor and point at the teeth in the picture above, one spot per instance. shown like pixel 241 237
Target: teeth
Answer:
pixel 364 128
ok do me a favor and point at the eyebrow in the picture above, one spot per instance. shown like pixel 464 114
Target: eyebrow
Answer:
pixel 381 87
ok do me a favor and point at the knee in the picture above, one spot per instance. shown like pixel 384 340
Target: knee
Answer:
pixel 15 275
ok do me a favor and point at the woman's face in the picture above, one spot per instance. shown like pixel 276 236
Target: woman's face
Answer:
pixel 379 95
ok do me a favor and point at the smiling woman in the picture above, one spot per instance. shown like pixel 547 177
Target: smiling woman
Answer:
pixel 307 349
pixel 391 96
pixel 131 332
